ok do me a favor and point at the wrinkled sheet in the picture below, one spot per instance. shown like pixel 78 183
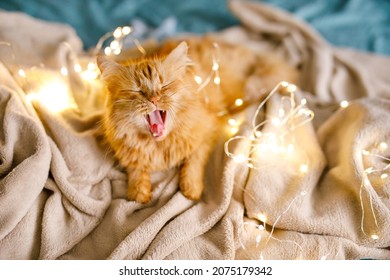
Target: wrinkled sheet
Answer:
pixel 63 197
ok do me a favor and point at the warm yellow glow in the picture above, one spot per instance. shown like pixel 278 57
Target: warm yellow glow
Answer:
pixel 89 75
pixel 77 68
pixel 275 121
pixel 303 101
pixel 344 104
pixel 250 165
pixel 262 217
pixel 284 84
pixel 291 88
pixel 53 95
pixel 232 122
pixel 91 66
pixel 365 152
pixel 239 102
pixel 117 33
pixel 258 133
pixel 384 176
pixel 22 73
pixel 114 44
pixel 126 30
pixel 303 168
pixel 239 158
pixel 260 227
pixel 64 71
pixel 217 80
pixel 117 51
pixel 233 130
pixel 215 66
pixel 107 50
pixel 375 237
pixel 383 146
pixel 198 79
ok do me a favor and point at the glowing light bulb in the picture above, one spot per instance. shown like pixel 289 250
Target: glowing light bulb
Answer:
pixel 239 102
pixel 303 168
pixel 291 88
pixel 91 66
pixel 239 158
pixel 375 237
pixel 64 71
pixel 117 33
pixel 284 84
pixel 126 30
pixel 383 146
pixel 250 165
pixel 260 227
pixel 53 95
pixel 198 79
pixel 107 50
pixel 21 73
pixel 117 51
pixel 114 44
pixel 384 176
pixel 233 130
pixel 258 133
pixel 262 218
pixel 365 152
pixel 344 104
pixel 77 68
pixel 303 101
pixel 276 121
pixel 215 66
pixel 217 80
pixel 232 122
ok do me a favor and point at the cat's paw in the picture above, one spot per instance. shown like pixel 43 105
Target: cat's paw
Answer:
pixel 139 187
pixel 192 189
pixel 139 195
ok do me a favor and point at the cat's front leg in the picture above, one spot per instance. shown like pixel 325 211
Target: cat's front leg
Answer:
pixel 139 187
pixel 192 172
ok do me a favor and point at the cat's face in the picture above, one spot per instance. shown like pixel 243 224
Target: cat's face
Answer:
pixel 149 95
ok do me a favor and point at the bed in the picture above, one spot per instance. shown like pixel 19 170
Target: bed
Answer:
pixel 63 197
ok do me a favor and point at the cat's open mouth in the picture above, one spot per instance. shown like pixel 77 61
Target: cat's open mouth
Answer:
pixel 156 121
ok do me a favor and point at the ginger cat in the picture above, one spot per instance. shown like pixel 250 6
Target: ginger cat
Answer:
pixel 158 116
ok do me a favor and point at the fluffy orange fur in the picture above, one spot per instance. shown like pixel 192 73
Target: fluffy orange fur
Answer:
pixel 157 117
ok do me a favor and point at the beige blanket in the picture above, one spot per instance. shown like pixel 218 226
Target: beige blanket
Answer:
pixel 63 197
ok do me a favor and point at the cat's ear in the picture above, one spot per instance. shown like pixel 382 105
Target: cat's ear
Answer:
pixel 111 73
pixel 107 66
pixel 178 58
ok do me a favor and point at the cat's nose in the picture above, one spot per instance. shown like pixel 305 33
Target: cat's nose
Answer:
pixel 154 99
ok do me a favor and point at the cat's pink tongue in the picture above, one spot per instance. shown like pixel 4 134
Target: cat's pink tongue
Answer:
pixel 156 123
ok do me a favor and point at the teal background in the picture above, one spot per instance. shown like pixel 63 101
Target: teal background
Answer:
pixel 360 24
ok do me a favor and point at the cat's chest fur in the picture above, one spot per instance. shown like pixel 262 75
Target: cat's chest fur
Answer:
pixel 141 151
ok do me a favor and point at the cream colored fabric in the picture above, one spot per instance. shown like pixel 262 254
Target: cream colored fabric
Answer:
pixel 63 197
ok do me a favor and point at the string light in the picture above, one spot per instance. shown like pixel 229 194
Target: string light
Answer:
pixel 64 71
pixel 366 183
pixel 238 102
pixel 290 116
pixel 198 79
pixel 53 94
pixel 344 104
